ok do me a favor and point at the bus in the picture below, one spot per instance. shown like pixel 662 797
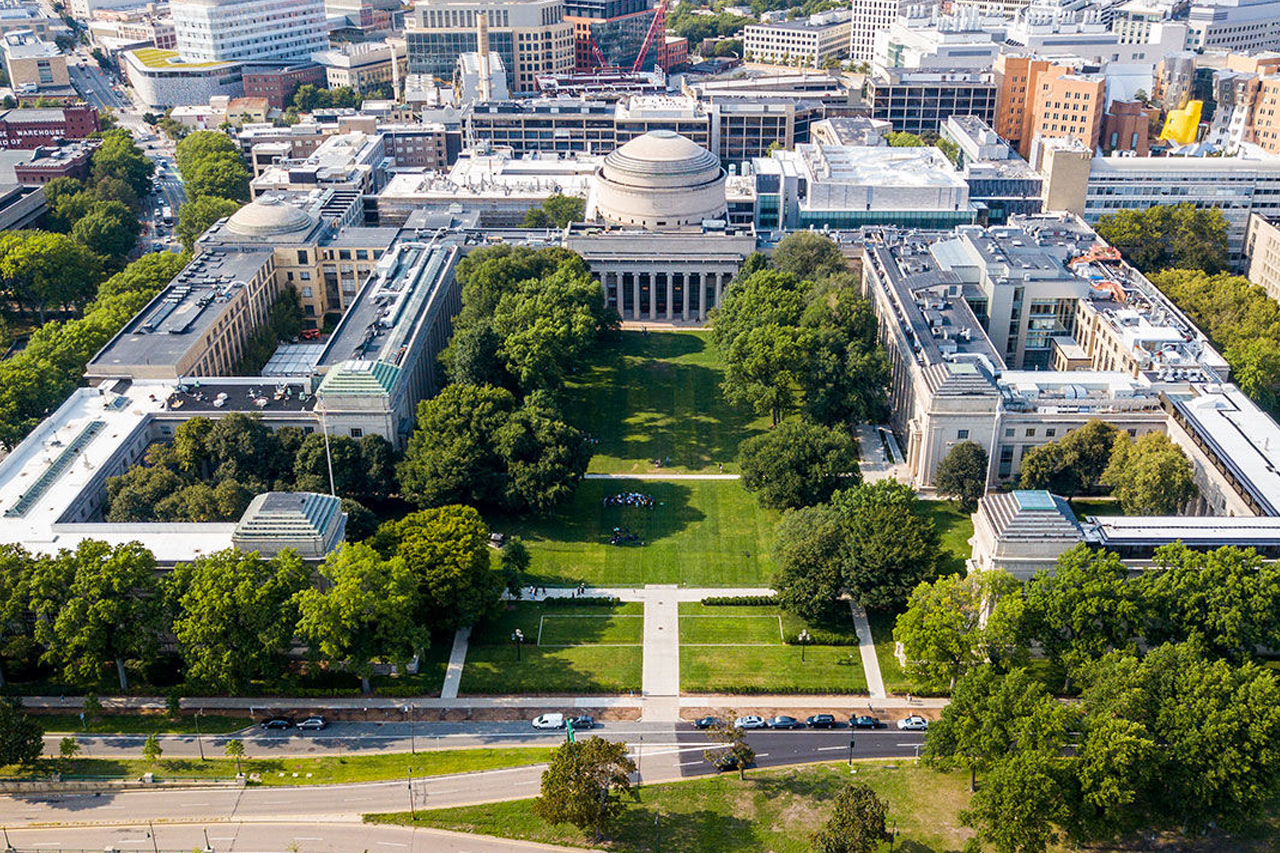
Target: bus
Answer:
pixel 166 213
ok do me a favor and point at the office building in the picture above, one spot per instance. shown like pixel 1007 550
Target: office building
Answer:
pixel 920 101
pixel 1236 25
pixel 352 162
pixel 160 79
pixel 611 33
pixel 33 65
pixel 249 30
pixel 1262 249
pixel 279 83
pixel 870 17
pixel 1001 184
pixel 364 66
pixel 925 39
pixel 1037 97
pixel 69 160
pixel 533 38
pixel 809 41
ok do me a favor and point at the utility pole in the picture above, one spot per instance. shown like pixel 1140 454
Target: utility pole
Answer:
pixel 151 826
pixel 850 752
pixel 199 742
pixel 413 814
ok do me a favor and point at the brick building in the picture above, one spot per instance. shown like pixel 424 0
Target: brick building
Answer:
pixel 278 83
pixel 36 127
pixel 67 161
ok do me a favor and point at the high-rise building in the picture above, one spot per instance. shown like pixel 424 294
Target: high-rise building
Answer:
pixel 533 38
pixel 869 17
pixel 1035 97
pixel 810 41
pixel 617 28
pixel 249 30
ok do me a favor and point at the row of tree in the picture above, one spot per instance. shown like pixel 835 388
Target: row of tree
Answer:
pixel 236 618
pixel 211 164
pixel 1089 606
pixel 1180 236
pixel 213 468
pixel 36 380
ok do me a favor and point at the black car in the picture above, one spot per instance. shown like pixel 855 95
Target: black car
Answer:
pixel 821 721
pixel 582 721
pixel 707 722
pixel 725 761
pixel 784 722
pixel 278 723
pixel 865 722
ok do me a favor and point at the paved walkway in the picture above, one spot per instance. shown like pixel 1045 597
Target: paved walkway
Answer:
pixel 661 476
pixel 867 648
pixel 665 326
pixel 457 658
pixel 874 462
pixel 660 681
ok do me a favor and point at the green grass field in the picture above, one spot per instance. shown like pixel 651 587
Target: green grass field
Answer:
pixel 895 678
pixel 567 649
pixel 142 724
pixel 302 771
pixel 955 529
pixel 699 533
pixel 1084 507
pixel 657 397
pixel 772 810
pixel 730 649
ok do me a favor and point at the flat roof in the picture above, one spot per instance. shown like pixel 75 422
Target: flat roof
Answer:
pixel 1242 436
pixel 156 58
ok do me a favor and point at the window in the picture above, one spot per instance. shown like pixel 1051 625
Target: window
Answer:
pixel 1050 433
pixel 302 256
pixel 1008 433
pixel 356 432
pixel 1031 432
pixel 306 292
pixel 962 434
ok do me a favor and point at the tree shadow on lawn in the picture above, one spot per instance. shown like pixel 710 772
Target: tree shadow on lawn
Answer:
pixel 693 831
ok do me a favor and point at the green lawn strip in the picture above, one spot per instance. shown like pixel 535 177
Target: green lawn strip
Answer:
pixel 580 670
pixel 587 624
pixel 895 678
pixel 301 771
pixel 657 397
pixel 955 529
pixel 746 629
pixel 142 724
pixel 775 810
pixel 699 533
pixel 771 669
pixel 1084 507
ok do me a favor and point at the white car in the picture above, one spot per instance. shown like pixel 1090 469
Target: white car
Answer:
pixel 913 723
pixel 549 721
pixel 751 721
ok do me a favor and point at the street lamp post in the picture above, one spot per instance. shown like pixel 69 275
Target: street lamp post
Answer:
pixel 517 637
pixel 413 746
pixel 199 742
pixel 850 752
pixel 804 639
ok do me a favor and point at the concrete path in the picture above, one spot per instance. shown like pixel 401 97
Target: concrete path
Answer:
pixel 457 658
pixel 661 476
pixel 664 326
pixel 660 681
pixel 874 462
pixel 867 647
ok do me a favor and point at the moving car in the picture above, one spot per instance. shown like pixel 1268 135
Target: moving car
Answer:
pixel 725 761
pixel 865 722
pixel 821 721
pixel 782 721
pixel 707 722
pixel 277 723
pixel 583 721
pixel 751 721
pixel 549 721
pixel 316 723
pixel 914 723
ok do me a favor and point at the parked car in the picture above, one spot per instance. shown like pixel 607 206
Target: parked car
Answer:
pixel 583 721
pixel 914 723
pixel 782 721
pixel 707 722
pixel 751 721
pixel 315 723
pixel 821 721
pixel 309 334
pixel 277 723
pixel 725 761
pixel 865 722
pixel 549 721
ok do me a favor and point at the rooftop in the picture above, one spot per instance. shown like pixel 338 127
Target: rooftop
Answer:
pixel 156 58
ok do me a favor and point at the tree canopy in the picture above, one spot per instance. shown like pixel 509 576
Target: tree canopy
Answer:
pixel 962 474
pixel 1151 476
pixel 556 211
pixel 1168 235
pixel 798 464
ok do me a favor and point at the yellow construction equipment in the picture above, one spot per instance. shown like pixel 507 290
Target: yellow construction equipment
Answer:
pixel 1182 124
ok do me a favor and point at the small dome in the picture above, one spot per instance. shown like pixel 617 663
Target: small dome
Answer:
pixel 660 180
pixel 269 216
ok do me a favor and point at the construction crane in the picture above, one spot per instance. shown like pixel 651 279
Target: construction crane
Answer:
pixel 658 25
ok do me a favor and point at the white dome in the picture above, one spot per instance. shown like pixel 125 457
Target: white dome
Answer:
pixel 660 180
pixel 269 216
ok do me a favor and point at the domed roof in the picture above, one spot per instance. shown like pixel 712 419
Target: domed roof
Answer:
pixel 661 158
pixel 269 216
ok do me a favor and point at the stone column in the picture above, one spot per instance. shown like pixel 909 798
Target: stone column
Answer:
pixel 684 296
pixel 702 296
pixel 670 292
pixel 719 284
pixel 635 295
pixel 653 295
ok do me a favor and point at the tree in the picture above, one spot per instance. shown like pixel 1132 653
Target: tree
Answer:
pixel 962 474
pixel 15 567
pixel 196 216
pixel 808 255
pixel 109 228
pixel 857 824
pixel 446 550
pixel 114 189
pixel 765 297
pixel 235 749
pixel 890 546
pixel 1018 808
pixel 556 211
pixel 1071 464
pixel 798 464
pixel 583 784
pixel 21 736
pixel 950 627
pixel 234 615
pixel 472 357
pixel 42 271
pixel 1151 476
pixel 451 456
pixel 544 457
pixel 315 459
pixel 151 749
pixel 107 611
pixel 809 578
pixel 204 145
pixel 368 610
pixel 902 139
pixel 1162 236
pixel 119 157
pixel 68 749
pixel 733 746
pixel 763 367
pixel 847 371
pixel 514 563
pixel 222 178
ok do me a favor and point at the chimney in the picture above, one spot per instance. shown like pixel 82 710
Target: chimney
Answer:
pixel 482 47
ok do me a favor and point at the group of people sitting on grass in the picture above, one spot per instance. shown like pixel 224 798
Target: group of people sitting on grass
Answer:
pixel 624 536
pixel 630 499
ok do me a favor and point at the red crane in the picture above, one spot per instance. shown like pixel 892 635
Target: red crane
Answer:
pixel 659 25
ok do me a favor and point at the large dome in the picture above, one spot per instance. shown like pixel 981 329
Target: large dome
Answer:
pixel 269 216
pixel 660 180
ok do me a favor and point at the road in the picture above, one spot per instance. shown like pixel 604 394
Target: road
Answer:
pixel 660 756
pixel 95 85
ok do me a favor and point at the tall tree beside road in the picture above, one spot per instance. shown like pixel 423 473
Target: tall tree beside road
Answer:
pixel 584 784
pixel 109 228
pixel 1151 476
pixel 234 615
pixel 798 464
pixel 119 157
pixel 732 745
pixel 100 605
pixel 211 165
pixel 858 823
pixel 1021 803
pixel 368 611
pixel 21 736
pixel 447 550
pixel 962 474
pixel 42 271
pixel 195 217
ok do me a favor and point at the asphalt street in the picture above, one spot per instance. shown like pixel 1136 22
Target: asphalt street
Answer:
pixel 95 85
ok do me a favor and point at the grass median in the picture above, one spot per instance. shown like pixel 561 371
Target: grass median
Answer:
pixel 141 724
pixel 322 770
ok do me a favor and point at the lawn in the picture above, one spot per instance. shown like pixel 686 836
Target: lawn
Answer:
pixel 143 724
pixel 741 649
pixel 774 810
pixel 303 771
pixel 1084 507
pixel 657 397
pixel 895 678
pixel 567 649
pixel 698 533
pixel 955 529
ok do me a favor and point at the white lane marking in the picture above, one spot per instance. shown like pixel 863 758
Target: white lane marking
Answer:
pixel 308 838
pixel 762 755
pixel 48 844
pixel 688 764
pixel 392 844
pixel 910 744
pixel 828 748
pixel 188 805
